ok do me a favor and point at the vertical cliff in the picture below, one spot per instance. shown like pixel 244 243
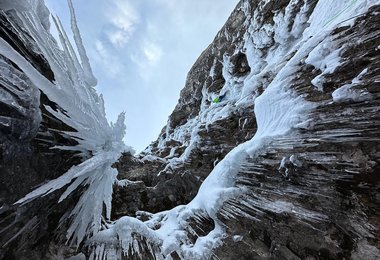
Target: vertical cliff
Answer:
pixel 299 89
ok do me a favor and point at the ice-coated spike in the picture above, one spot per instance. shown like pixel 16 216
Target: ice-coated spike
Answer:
pixel 90 78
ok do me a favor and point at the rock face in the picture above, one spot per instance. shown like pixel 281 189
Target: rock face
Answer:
pixel 310 192
pixel 313 194
pixel 190 146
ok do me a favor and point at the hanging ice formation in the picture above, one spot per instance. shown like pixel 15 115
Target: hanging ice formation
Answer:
pixel 99 143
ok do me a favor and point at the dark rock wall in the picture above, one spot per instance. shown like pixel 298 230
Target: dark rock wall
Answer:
pixel 335 169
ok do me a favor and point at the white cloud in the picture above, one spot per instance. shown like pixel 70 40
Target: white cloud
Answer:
pixel 124 18
pixel 119 38
pixel 152 53
pixel 100 49
pixel 104 58
pixel 146 56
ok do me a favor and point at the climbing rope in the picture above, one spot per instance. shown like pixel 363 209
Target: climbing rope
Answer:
pixel 339 13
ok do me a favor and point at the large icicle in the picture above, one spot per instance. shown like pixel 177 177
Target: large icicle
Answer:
pixel 99 142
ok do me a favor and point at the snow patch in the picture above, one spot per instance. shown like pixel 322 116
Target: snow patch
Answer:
pixel 350 92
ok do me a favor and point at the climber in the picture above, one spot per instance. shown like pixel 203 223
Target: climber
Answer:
pixel 219 98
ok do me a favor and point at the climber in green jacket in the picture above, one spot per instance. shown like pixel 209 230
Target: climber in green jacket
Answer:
pixel 219 98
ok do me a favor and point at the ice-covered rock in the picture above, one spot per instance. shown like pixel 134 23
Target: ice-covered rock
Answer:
pixel 299 84
pixel 270 153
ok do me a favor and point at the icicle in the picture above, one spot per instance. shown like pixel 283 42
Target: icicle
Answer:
pixel 90 78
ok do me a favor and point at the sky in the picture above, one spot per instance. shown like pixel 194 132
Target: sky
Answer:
pixel 141 52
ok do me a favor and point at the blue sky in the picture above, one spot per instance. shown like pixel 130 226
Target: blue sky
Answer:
pixel 141 51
